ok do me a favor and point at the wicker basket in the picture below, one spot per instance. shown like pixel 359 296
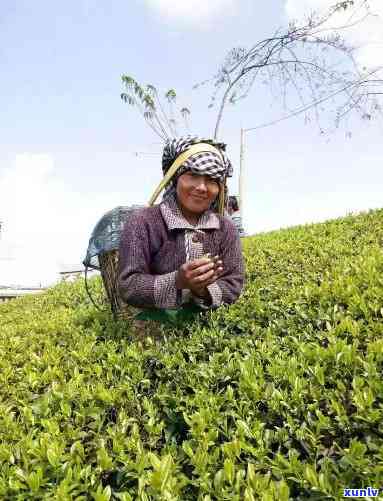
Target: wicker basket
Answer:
pixel 120 310
pixel 109 274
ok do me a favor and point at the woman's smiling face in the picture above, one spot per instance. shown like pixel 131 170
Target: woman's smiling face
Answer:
pixel 196 192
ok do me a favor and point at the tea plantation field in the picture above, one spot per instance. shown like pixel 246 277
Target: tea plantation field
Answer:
pixel 277 397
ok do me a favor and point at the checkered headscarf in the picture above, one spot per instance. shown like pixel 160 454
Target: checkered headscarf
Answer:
pixel 206 163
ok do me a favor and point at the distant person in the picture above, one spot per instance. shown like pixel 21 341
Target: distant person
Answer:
pixel 182 252
pixel 234 213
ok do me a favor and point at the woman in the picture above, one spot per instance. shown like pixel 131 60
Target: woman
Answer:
pixel 181 251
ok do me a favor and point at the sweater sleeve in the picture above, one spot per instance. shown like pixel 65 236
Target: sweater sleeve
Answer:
pixel 232 281
pixel 136 285
pixel 214 300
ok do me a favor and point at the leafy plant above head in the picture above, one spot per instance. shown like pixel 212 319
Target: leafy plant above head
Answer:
pixel 171 95
pixel 160 117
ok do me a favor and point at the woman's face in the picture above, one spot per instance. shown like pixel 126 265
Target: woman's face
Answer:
pixel 196 192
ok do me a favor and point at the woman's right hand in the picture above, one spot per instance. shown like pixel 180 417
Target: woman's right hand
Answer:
pixel 198 273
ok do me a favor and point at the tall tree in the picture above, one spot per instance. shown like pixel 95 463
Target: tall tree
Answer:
pixel 309 64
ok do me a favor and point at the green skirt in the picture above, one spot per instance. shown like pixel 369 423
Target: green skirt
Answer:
pixel 186 313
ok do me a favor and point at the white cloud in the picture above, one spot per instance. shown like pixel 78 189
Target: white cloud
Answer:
pixel 367 35
pixel 192 12
pixel 46 224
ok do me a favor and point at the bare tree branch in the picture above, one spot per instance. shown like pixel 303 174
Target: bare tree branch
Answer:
pixel 309 62
pixel 309 106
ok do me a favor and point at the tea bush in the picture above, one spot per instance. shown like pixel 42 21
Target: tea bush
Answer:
pixel 277 397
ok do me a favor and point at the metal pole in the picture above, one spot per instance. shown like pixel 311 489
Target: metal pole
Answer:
pixel 241 177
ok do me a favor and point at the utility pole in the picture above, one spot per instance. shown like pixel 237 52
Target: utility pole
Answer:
pixel 241 167
pixel 241 177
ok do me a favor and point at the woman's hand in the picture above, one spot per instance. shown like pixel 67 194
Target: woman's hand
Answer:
pixel 196 275
pixel 201 290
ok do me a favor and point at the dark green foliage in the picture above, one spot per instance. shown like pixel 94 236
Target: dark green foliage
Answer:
pixel 279 396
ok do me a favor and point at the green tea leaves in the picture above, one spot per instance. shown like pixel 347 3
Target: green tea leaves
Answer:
pixel 276 397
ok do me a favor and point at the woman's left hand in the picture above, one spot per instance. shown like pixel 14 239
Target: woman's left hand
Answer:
pixel 200 290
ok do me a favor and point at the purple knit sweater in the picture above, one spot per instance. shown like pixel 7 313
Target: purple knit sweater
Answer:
pixel 157 240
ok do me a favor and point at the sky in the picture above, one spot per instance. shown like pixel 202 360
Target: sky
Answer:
pixel 70 149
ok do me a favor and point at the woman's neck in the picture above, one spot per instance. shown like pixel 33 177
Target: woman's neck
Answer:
pixel 190 217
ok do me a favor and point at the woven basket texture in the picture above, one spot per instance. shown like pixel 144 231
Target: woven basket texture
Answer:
pixel 109 274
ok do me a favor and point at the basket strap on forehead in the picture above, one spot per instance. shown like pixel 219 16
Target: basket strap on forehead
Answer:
pixel 195 148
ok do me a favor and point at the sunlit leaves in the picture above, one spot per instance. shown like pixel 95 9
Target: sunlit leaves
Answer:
pixel 278 396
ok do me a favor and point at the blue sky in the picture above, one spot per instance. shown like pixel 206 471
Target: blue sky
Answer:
pixel 68 143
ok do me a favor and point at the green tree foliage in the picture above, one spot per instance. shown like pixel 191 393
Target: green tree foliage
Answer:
pixel 146 99
pixel 277 397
